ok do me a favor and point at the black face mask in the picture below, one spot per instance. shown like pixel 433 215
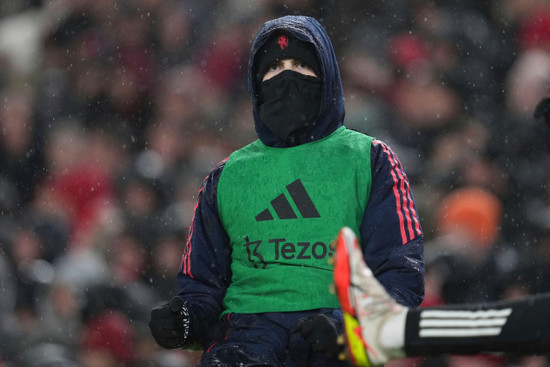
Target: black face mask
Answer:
pixel 289 103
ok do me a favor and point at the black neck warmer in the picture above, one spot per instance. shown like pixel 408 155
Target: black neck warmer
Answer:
pixel 289 104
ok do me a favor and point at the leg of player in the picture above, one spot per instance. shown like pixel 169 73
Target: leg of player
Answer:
pixel 378 329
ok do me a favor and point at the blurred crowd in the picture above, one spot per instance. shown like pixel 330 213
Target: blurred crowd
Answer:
pixel 112 113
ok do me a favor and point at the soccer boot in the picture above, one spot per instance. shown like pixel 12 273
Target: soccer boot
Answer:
pixel 365 303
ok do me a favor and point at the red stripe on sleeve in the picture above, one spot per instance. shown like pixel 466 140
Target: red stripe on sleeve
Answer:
pixel 399 209
pixel 404 200
pixel 186 258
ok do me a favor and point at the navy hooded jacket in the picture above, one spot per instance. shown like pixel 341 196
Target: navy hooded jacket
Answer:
pixel 390 225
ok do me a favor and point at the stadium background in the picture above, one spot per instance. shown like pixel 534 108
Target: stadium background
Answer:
pixel 112 113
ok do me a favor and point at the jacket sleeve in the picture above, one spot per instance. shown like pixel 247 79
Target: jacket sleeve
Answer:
pixel 205 271
pixel 391 234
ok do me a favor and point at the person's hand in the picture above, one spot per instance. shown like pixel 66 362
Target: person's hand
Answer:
pixel 321 332
pixel 170 324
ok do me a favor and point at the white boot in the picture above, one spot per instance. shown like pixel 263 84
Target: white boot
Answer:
pixel 366 305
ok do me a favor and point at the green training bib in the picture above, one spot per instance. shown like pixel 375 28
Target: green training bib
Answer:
pixel 282 207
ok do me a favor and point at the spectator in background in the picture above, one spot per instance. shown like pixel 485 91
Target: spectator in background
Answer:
pixel 108 340
pixel 20 148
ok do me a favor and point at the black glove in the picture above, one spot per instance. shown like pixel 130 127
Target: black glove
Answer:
pixel 170 324
pixel 321 332
pixel 543 110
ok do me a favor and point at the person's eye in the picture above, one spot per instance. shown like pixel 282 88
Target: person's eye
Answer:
pixel 302 65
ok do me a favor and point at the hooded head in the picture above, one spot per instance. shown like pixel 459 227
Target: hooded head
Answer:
pixel 282 45
pixel 310 43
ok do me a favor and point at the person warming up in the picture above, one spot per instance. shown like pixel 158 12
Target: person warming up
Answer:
pixel 254 274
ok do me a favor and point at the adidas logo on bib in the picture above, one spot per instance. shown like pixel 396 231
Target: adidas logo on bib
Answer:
pixel 284 208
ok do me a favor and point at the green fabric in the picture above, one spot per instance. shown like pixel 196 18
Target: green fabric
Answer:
pixel 280 257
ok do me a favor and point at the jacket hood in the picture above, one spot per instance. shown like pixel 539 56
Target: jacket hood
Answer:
pixel 331 115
